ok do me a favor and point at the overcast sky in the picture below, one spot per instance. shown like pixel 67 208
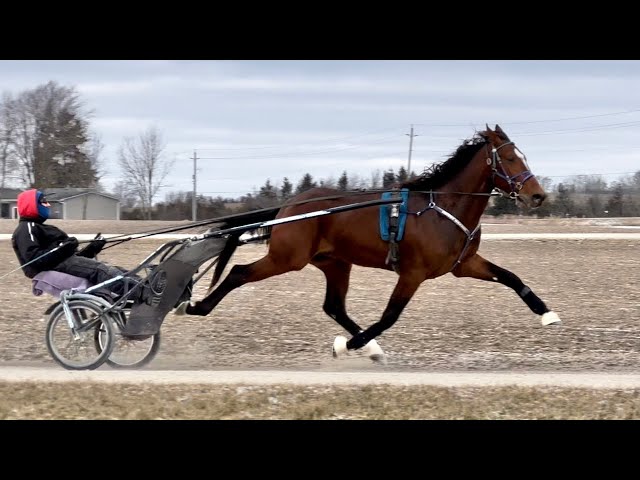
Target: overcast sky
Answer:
pixel 253 120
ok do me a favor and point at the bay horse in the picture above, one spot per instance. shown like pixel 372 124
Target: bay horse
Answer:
pixel 441 235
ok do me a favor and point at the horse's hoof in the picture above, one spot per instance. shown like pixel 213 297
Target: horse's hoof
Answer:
pixel 550 318
pixel 182 308
pixel 375 352
pixel 339 346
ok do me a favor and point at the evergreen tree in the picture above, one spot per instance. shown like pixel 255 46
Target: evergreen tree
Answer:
pixel 287 188
pixel 51 138
pixel 268 191
pixel 402 175
pixel 343 182
pixel 306 183
pixel 388 178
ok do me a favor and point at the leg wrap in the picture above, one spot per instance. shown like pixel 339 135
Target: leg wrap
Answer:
pixel 534 303
pixel 524 291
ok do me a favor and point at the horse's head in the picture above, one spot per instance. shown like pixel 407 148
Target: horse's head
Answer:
pixel 511 174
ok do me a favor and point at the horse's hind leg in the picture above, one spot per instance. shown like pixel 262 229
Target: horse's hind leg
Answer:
pixel 337 275
pixel 239 275
pixel 478 267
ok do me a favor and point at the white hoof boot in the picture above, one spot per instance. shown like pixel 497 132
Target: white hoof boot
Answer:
pixel 550 318
pixel 182 308
pixel 339 346
pixel 375 352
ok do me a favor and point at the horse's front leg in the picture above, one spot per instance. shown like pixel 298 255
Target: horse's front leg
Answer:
pixel 478 267
pixel 405 289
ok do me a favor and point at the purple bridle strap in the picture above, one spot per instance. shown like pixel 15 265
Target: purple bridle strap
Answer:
pixel 515 182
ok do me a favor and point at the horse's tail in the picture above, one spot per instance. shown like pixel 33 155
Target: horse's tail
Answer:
pixel 224 257
pixel 234 239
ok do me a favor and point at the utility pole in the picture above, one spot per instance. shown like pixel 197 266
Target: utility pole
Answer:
pixel 194 203
pixel 410 135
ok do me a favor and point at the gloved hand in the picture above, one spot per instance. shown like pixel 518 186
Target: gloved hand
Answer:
pixel 69 245
pixel 94 247
pixel 98 243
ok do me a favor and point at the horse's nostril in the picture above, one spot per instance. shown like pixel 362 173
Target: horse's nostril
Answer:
pixel 538 198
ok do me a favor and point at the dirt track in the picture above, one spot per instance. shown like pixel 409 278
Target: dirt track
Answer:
pixel 451 325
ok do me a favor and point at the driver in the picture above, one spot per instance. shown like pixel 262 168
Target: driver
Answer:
pixel 32 239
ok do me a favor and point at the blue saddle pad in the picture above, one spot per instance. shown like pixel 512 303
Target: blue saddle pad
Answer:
pixel 385 210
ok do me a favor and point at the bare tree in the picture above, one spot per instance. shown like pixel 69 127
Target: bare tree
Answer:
pixel 7 127
pixel 328 182
pixel 357 181
pixel 123 191
pixel 144 165
pixel 93 151
pixel 23 139
pixel 376 177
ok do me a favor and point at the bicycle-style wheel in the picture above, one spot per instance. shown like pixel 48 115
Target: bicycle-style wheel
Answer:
pixel 128 352
pixel 75 349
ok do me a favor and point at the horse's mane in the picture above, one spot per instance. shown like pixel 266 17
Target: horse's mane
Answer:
pixel 439 174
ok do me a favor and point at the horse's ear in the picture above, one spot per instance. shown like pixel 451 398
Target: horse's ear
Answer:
pixel 501 133
pixel 487 127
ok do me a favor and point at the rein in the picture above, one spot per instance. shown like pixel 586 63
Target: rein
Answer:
pixel 33 261
pixel 117 240
pixel 515 185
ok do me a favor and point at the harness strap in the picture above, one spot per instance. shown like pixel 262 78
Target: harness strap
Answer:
pixel 470 234
pixel 442 211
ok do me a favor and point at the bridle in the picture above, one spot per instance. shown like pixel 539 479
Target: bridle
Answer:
pixel 515 182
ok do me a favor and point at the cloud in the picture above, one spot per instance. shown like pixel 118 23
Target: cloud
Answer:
pixel 123 125
pixel 147 85
pixel 287 118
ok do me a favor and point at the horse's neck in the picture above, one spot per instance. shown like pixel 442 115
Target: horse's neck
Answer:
pixel 469 208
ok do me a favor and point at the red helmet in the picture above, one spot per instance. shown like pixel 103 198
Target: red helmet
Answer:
pixel 33 204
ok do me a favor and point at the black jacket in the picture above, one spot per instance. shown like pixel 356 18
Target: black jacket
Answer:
pixel 32 239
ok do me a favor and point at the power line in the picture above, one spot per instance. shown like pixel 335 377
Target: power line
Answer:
pixel 588 174
pixel 385 139
pixel 582 129
pixel 535 121
pixel 412 134
pixel 293 154
pixel 285 146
